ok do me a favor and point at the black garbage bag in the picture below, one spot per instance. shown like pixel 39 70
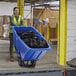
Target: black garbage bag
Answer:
pixel 43 43
pixel 32 40
pixel 29 34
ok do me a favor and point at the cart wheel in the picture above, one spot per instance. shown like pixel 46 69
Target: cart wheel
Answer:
pixel 20 62
pixel 33 63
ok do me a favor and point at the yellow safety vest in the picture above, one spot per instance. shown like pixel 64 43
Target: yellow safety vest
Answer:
pixel 15 22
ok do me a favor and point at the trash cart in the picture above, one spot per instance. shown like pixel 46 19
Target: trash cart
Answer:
pixel 23 51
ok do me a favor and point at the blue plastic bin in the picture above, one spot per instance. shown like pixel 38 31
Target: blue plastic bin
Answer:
pixel 27 53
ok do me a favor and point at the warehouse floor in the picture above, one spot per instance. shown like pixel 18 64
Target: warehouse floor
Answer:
pixel 47 62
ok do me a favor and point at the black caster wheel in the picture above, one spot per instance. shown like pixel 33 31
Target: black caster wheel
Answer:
pixel 21 63
pixel 33 63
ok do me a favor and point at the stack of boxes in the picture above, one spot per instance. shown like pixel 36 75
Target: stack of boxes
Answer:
pixel 53 16
pixel 4 26
pixel 1 28
pixel 52 22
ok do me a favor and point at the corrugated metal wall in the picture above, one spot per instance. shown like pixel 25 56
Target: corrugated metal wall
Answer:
pixel 71 30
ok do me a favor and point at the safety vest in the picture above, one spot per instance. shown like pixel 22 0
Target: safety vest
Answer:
pixel 16 22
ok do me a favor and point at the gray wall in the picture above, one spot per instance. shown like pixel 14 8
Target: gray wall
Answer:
pixel 7 7
pixel 71 30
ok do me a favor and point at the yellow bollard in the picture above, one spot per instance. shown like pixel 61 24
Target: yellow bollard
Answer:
pixel 62 36
pixel 25 23
pixel 20 4
pixel 31 22
pixel 48 32
pixel 41 28
pixel 58 52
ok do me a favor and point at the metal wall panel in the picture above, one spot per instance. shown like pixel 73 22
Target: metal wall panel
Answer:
pixel 71 30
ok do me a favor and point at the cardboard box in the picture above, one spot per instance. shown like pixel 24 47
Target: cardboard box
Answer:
pixel 6 30
pixel 52 33
pixel 1 30
pixel 3 20
pixel 45 31
pixel 6 19
pixel 52 22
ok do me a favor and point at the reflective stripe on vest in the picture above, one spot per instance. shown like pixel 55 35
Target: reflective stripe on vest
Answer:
pixel 15 22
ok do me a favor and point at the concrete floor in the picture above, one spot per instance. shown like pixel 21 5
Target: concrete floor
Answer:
pixel 47 62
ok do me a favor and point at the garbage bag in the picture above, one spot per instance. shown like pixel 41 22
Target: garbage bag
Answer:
pixel 32 40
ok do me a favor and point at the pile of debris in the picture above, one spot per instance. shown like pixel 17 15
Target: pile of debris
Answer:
pixel 32 40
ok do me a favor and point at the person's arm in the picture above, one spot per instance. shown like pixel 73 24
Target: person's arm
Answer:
pixel 22 22
pixel 11 21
